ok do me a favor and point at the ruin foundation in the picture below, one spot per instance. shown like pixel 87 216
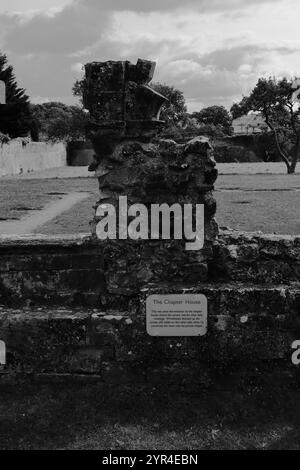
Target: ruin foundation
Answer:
pixel 77 305
pixel 131 161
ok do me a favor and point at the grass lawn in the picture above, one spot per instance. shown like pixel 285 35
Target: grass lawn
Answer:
pixel 91 416
pixel 269 203
pixel 18 197
pixel 72 415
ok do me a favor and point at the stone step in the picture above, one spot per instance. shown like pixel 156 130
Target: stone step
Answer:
pixel 256 257
pixel 74 269
pixel 246 323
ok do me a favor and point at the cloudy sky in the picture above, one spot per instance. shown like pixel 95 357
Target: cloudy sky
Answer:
pixel 212 50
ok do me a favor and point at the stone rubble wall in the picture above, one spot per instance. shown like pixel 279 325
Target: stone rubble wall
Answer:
pixel 90 341
pixel 253 310
pixel 256 258
pixel 157 173
pixel 50 269
pixel 19 158
pixel 62 270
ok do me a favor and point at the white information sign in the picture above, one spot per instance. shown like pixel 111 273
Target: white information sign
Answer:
pixel 176 315
pixel 2 92
pixel 2 353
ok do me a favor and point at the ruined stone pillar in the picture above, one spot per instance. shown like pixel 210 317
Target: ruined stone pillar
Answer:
pixel 132 161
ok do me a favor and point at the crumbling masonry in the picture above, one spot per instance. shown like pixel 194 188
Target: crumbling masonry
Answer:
pixel 77 304
pixel 132 162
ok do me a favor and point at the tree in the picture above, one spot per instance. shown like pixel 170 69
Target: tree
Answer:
pixel 58 122
pixel 217 116
pixel 15 118
pixel 173 111
pixel 278 102
pixel 79 88
pixel 240 109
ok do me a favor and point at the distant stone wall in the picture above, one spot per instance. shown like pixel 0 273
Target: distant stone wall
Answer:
pixel 246 148
pixel 17 157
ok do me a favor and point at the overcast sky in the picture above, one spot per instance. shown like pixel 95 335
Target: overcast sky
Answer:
pixel 212 50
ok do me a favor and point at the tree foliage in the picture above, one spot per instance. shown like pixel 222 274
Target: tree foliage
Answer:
pixel 278 102
pixel 79 88
pixel 240 109
pixel 58 122
pixel 174 110
pixel 15 118
pixel 214 116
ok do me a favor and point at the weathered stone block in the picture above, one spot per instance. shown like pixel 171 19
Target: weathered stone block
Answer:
pixel 118 92
pixel 246 324
pixel 256 258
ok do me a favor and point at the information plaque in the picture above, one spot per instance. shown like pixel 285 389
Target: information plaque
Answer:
pixel 176 315
pixel 2 92
pixel 2 353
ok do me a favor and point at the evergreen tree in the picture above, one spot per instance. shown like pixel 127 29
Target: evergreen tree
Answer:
pixel 15 118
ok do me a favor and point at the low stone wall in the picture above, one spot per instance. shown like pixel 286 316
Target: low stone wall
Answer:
pixel 256 258
pixel 58 313
pixel 50 269
pixel 62 270
pixel 17 157
pixel 94 341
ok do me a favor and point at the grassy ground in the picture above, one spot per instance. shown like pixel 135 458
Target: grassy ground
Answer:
pixel 245 202
pixel 19 196
pixel 92 416
pixel 259 202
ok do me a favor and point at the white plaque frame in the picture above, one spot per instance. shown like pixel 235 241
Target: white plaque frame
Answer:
pixel 176 315
pixel 2 92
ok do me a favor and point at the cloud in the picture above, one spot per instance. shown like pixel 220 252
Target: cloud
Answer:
pixel 244 57
pixel 223 75
pixel 7 6
pixel 202 84
pixel 64 32
pixel 169 5
pixel 232 58
pixel 44 75
pixel 80 23
pixel 211 56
